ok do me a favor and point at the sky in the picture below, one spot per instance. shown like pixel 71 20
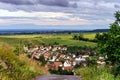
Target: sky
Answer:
pixel 57 14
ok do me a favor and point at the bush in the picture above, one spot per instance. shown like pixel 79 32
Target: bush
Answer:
pixel 94 73
pixel 80 37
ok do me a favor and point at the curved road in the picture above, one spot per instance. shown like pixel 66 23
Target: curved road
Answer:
pixel 58 77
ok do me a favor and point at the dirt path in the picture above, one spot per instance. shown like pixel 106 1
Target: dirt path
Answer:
pixel 57 77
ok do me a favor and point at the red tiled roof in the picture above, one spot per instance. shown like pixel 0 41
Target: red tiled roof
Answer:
pixel 47 54
pixel 56 65
pixel 35 46
pixel 62 55
pixel 49 65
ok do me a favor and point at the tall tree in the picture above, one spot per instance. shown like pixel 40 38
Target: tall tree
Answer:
pixel 109 43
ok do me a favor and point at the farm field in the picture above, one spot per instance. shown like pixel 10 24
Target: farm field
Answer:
pixel 89 35
pixel 48 39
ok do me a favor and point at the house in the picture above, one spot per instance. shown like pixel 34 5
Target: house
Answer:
pixel 42 48
pixel 56 65
pixel 36 55
pixel 35 48
pixel 67 68
pixel 85 56
pixel 53 59
pixel 47 56
pixel 73 63
pixel 48 65
pixel 101 63
pixel 48 48
pixel 101 58
pixel 59 48
pixel 67 63
pixel 64 48
pixel 54 48
pixel 79 59
pixel 67 57
pixel 62 55
pixel 73 55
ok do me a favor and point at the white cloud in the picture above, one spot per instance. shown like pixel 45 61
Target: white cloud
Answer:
pixel 88 12
pixel 2 21
pixel 47 18
pixel 100 22
pixel 6 13
pixel 48 22
pixel 43 18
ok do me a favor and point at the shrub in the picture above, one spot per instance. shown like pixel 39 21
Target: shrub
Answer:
pixel 94 73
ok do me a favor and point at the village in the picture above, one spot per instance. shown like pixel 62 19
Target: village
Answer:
pixel 54 58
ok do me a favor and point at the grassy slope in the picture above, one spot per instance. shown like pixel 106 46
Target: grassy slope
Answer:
pixel 62 39
pixel 13 67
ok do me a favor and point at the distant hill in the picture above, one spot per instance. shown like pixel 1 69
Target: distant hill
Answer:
pixel 25 31
pixel 100 30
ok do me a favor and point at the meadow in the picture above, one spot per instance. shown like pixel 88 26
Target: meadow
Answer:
pixel 48 39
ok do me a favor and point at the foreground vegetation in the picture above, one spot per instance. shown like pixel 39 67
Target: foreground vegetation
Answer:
pixel 108 47
pixel 95 73
pixel 13 67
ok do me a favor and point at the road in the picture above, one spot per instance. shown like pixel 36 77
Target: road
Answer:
pixel 58 77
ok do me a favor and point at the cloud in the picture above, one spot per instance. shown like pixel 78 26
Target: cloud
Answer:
pixel 58 12
pixel 117 6
pixel 41 18
pixel 41 15
pixel 47 22
pixel 19 2
pixel 2 21
pixel 49 18
pixel 60 3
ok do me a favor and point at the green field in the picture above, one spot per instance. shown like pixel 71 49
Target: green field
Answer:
pixel 58 39
pixel 89 35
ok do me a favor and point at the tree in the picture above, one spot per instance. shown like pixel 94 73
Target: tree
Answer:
pixel 75 37
pixel 109 43
pixel 42 59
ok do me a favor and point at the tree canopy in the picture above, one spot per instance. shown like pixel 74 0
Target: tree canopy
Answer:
pixel 109 42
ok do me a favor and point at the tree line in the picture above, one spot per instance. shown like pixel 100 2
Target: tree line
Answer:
pixel 80 37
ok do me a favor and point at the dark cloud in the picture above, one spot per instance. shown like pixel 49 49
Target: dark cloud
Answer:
pixel 86 9
pixel 74 5
pixel 117 6
pixel 17 2
pixel 60 3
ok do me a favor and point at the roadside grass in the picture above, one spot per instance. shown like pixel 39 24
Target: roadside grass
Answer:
pixel 94 73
